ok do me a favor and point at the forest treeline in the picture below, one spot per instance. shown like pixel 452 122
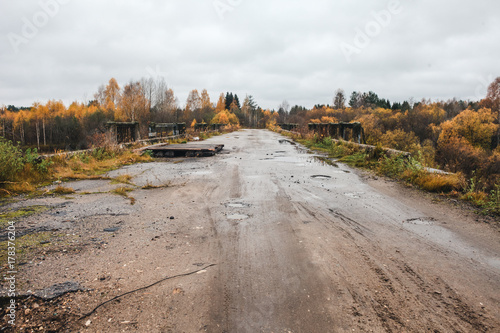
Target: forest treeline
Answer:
pixel 53 126
pixel 455 135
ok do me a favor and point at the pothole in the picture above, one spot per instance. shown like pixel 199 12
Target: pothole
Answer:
pixel 421 221
pixel 237 205
pixel 113 229
pixel 287 141
pixel 237 217
pixel 321 177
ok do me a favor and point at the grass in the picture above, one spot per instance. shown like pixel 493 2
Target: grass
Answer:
pixel 122 179
pixel 150 186
pixel 62 190
pixel 124 192
pixel 86 166
pixel 17 214
pixel 32 172
pixel 30 246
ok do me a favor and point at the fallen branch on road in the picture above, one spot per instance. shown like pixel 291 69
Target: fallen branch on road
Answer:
pixel 143 288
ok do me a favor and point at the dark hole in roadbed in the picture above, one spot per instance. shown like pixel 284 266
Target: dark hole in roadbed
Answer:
pixel 321 177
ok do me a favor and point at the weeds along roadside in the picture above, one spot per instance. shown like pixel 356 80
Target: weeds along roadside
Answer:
pixel 24 172
pixel 409 169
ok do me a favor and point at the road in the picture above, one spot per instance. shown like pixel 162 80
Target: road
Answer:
pixel 297 246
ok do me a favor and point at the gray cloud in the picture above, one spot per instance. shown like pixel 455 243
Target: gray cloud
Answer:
pixel 272 50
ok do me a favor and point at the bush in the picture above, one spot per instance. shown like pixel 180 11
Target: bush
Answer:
pixel 392 166
pixel 11 160
pixel 32 157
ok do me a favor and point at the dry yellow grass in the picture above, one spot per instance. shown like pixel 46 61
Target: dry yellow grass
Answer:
pixel 123 191
pixel 124 179
pixel 438 183
pixel 78 167
pixel 61 190
pixel 88 167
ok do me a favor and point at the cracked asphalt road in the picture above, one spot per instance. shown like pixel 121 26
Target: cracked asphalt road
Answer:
pixel 298 246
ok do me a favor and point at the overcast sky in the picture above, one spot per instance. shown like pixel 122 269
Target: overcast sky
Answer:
pixel 275 50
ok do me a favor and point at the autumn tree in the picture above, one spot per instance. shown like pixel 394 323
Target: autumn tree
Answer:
pixel 112 94
pixel 421 118
pixel 193 106
pixel 250 111
pixel 205 99
pixel 493 101
pixel 401 140
pixel 269 119
pixel 477 128
pixel 207 109
pixel 166 108
pixel 42 114
pixel 133 105
pixel 339 99
pixel 225 117
pixel 221 104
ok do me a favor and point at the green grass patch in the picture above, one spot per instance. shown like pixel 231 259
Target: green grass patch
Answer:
pixel 30 246
pixel 20 213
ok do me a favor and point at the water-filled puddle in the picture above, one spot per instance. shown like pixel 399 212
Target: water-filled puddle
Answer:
pixel 114 229
pixel 287 141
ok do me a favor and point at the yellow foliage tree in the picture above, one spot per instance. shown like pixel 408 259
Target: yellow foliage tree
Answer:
pixel 221 104
pixel 475 127
pixel 225 117
pixel 205 100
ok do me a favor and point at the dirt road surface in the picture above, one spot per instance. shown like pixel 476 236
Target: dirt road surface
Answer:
pixel 297 246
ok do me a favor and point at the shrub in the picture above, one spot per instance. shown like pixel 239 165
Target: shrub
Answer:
pixel 11 160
